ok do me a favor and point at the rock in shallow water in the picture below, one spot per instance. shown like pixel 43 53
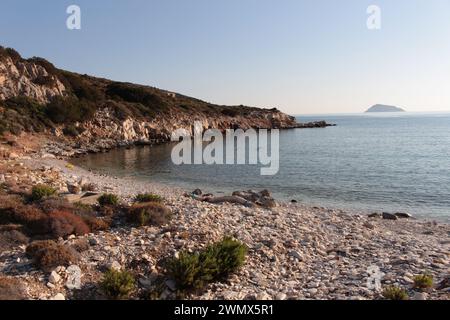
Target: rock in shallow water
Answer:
pixel 389 216
pixel 403 215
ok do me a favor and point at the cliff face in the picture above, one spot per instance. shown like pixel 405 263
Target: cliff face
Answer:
pixel 24 78
pixel 94 113
pixel 106 131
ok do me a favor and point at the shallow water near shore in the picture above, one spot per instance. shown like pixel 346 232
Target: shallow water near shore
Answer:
pixel 368 162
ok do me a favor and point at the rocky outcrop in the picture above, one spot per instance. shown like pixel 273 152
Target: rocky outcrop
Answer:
pixel 23 78
pixel 106 130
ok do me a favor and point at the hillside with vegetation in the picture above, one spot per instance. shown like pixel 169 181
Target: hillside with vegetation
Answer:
pixel 36 97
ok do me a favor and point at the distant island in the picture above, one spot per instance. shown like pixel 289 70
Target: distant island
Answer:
pixel 384 108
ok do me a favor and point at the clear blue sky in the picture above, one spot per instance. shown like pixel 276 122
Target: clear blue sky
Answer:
pixel 312 56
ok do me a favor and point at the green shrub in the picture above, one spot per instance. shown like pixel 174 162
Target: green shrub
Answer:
pixel 230 112
pixel 149 213
pixel 69 109
pixel 215 262
pixel 42 191
pixel 148 197
pixel 118 284
pixel 13 54
pixel 187 271
pixel 108 199
pixel 229 254
pixel 81 87
pixel 423 281
pixel 48 66
pixel 24 114
pixel 44 81
pixel 395 293
pixel 138 95
pixel 121 111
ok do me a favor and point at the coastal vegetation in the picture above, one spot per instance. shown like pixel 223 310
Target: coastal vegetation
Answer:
pixel 108 199
pixel 193 271
pixel 48 254
pixel 423 281
pixel 149 213
pixel 40 192
pixel 148 197
pixel 118 284
pixel 395 293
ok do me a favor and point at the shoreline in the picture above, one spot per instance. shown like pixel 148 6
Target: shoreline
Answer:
pixel 295 251
pixel 122 186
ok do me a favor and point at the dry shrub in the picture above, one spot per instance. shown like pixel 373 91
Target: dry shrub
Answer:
pixel 11 238
pixel 83 210
pixel 48 254
pixel 80 216
pixel 81 245
pixel 30 216
pixel 12 289
pixel 62 204
pixel 56 204
pixel 8 206
pixel 97 224
pixel 108 211
pixel 56 220
pixel 64 223
pixel 149 213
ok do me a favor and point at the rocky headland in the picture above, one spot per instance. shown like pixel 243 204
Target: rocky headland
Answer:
pixel 80 113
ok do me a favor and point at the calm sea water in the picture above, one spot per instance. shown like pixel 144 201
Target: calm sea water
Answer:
pixel 390 162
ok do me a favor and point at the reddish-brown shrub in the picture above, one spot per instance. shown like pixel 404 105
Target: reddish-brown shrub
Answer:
pixel 11 289
pixel 12 210
pixel 64 223
pixel 62 204
pixel 81 244
pixel 56 204
pixel 96 224
pixel 26 214
pixel 48 254
pixel 8 206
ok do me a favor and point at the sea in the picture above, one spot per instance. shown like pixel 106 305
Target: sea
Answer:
pixel 394 162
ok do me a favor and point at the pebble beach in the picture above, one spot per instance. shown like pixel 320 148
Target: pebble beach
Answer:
pixel 295 251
